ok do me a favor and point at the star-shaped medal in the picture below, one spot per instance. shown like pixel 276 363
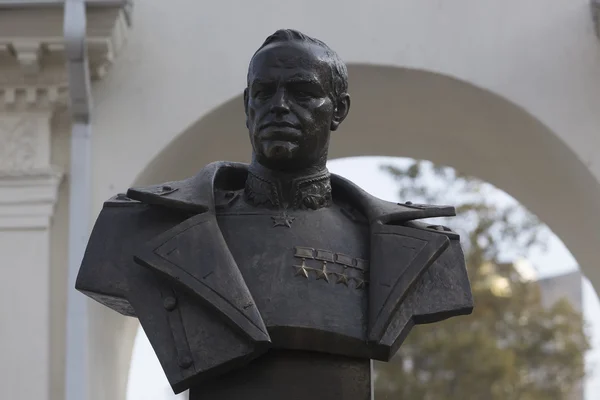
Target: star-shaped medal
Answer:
pixel 322 274
pixel 360 283
pixel 301 269
pixel 342 278
pixel 282 220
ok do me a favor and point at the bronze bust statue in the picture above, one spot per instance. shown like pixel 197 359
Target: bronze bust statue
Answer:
pixel 276 279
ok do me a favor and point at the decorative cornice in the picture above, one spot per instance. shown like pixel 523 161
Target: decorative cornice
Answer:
pixel 25 98
pixel 32 49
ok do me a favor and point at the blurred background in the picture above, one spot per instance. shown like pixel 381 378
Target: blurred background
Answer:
pixel 489 106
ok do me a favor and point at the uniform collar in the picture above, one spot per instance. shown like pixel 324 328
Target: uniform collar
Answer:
pixel 276 190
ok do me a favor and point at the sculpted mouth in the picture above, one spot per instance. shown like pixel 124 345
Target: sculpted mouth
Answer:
pixel 281 131
pixel 280 124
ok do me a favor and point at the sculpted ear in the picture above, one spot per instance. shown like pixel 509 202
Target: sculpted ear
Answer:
pixel 341 110
pixel 246 105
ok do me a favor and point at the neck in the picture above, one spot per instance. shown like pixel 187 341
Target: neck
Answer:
pixel 300 189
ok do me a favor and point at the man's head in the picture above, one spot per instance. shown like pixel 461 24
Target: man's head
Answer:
pixel 296 94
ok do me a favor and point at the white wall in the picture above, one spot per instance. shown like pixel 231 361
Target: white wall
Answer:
pixel 29 320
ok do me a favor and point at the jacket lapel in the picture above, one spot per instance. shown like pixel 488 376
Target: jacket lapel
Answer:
pixel 194 254
pixel 399 257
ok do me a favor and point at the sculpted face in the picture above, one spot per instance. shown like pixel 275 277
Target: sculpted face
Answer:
pixel 290 106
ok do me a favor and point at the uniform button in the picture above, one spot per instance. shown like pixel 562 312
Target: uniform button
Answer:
pixel 185 361
pixel 170 303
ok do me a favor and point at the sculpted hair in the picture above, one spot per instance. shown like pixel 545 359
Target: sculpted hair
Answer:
pixel 339 72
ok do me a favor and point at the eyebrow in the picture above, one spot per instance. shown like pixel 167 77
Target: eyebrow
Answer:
pixel 258 81
pixel 303 79
pixel 292 79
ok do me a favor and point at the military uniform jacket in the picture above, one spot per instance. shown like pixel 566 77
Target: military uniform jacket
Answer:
pixel 216 286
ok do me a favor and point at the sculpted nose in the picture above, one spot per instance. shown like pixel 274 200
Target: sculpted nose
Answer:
pixel 279 103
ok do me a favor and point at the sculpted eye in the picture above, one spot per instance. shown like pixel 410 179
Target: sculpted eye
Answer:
pixel 305 90
pixel 303 95
pixel 261 91
pixel 261 94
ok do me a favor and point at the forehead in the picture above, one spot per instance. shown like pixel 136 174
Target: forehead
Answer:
pixel 290 60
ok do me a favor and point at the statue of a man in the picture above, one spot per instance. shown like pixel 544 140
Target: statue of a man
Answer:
pixel 276 279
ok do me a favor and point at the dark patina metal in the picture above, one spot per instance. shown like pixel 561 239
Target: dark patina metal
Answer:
pixel 276 279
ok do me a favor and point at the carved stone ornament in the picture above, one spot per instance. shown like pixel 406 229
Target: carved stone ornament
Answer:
pixel 18 143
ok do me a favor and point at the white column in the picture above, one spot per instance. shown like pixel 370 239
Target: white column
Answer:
pixel 28 193
pixel 35 349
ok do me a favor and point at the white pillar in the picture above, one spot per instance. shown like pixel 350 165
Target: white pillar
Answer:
pixel 42 357
pixel 28 193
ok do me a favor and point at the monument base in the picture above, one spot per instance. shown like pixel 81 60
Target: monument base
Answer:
pixel 292 375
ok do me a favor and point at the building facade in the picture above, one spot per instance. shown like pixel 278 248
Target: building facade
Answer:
pixel 98 98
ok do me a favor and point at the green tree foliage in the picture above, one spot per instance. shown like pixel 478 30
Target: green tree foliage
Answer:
pixel 510 348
